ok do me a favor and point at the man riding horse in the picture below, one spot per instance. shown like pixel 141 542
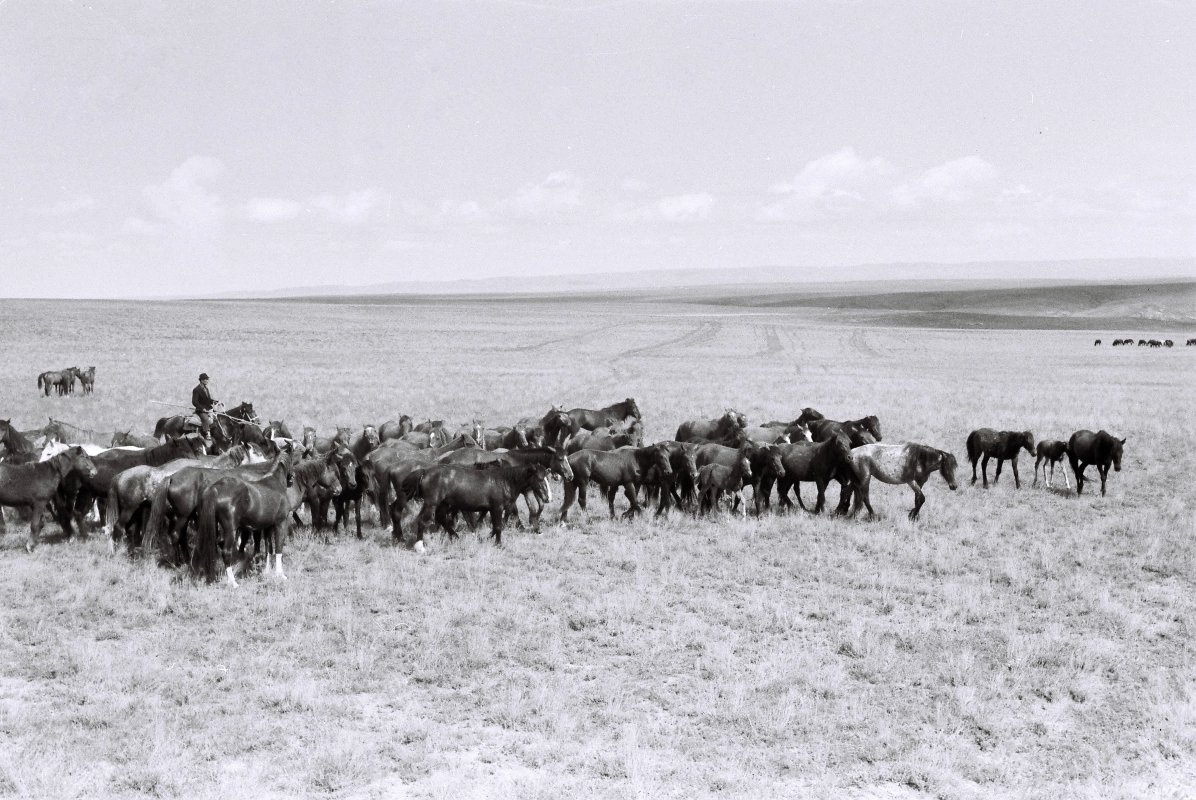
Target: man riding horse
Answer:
pixel 205 407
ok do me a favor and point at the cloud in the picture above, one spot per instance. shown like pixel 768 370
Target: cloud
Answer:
pixel 955 181
pixel 272 209
pixel 834 182
pixel 80 202
pixel 185 200
pixel 676 209
pixel 353 208
pixel 559 192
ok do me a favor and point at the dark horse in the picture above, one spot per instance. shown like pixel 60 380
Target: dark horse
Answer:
pixel 224 434
pixel 557 426
pixel 232 505
pixel 911 464
pixel 87 379
pixel 448 488
pixel 726 429
pixel 62 381
pixel 1101 449
pixel 34 485
pixel 614 414
pixel 19 450
pixel 986 443
pixel 765 460
pixel 553 460
pixel 815 463
pixel 627 467
pixel 1052 452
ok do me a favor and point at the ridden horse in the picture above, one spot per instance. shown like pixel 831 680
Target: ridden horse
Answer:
pixel 395 430
pixel 447 488
pixel 815 463
pixel 1100 448
pixel 627 468
pixel 727 429
pixel 19 450
pixel 1051 451
pixel 615 414
pixel 555 461
pixel 87 379
pixel 133 489
pixel 765 460
pixel 910 463
pixel 130 439
pixel 1004 446
pixel 177 499
pixel 34 485
pixel 714 479
pixel 231 505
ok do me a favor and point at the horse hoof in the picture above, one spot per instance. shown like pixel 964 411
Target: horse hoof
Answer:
pixel 419 547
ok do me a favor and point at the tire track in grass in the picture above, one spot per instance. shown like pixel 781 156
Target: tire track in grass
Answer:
pixel 772 340
pixel 700 334
pixel 576 337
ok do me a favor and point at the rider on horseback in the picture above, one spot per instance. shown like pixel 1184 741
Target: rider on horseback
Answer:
pixel 204 405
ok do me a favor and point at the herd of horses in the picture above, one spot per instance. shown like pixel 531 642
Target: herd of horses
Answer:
pixel 62 381
pixel 193 502
pixel 1146 343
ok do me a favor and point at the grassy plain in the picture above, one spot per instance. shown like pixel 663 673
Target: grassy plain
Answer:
pixel 1013 643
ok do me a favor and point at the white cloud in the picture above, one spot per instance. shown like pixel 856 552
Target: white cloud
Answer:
pixel 835 182
pixel 353 208
pixel 184 199
pixel 80 202
pixel 272 209
pixel 678 208
pixel 956 181
pixel 559 192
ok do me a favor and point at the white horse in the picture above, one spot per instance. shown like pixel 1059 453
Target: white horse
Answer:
pixel 52 449
pixel 911 464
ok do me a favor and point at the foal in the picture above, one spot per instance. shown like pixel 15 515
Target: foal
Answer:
pixel 1052 451
pixel 714 479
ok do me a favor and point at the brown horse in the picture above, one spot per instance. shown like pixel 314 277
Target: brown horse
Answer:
pixel 446 489
pixel 614 414
pixel 726 429
pixel 715 479
pixel 911 464
pixel 231 505
pixel 987 443
pixel 627 468
pixel 1052 452
pixel 18 448
pixel 32 486
pixel 1100 448
pixel 87 379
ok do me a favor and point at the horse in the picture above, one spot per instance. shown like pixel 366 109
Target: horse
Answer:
pixel 627 467
pixel 76 496
pixel 61 381
pixel 816 463
pixel 231 505
pixel 765 460
pixel 865 430
pixel 277 429
pixel 433 437
pixel 87 379
pixel 911 464
pixel 555 461
pixel 133 489
pixel 34 485
pixel 1097 342
pixel 393 463
pixel 1100 448
pixel 344 464
pixel 19 450
pixel 395 430
pixel 448 488
pixel 589 418
pixel 681 486
pixel 128 438
pixel 714 479
pixel 358 481
pixel 558 426
pixel 726 429
pixel 1004 446
pixel 312 482
pixel 607 439
pixel 1168 343
pixel 1051 451
pixel 178 497
pixel 225 432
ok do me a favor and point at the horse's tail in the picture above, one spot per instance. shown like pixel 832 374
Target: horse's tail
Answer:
pixel 410 485
pixel 207 549
pixel 973 447
pixel 156 517
pixel 160 428
pixel 40 379
pixel 112 509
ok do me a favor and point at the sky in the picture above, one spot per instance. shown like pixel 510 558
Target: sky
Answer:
pixel 166 148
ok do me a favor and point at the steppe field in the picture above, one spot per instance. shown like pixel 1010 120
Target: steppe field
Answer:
pixel 1011 643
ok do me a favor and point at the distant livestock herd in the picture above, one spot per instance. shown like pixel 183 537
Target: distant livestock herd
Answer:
pixel 1146 343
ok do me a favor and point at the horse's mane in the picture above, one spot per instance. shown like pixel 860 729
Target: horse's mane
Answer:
pixel 15 441
pixel 927 457
pixel 310 471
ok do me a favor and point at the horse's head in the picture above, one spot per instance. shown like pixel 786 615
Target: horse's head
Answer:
pixel 947 465
pixel 560 464
pixel 807 416
pixel 521 432
pixel 1027 441
pixel 346 466
pixel 689 462
pixel 406 425
pixel 80 462
pixel 633 410
pixel 343 434
pixel 371 435
pixel 537 480
pixel 773 462
pixel 872 423
pixel 662 459
pixel 734 418
pixel 840 445
pixel 1117 446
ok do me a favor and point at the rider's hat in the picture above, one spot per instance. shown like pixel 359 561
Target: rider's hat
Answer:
pixel 203 376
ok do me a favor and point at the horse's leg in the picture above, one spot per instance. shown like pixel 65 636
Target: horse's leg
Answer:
pixel 1078 468
pixel 35 527
pixel 1017 483
pixel 1104 474
pixel 1064 471
pixel 443 517
pixel 496 516
pixel 973 459
pixel 567 503
pixel 357 514
pixel 1037 461
pixel 534 509
pixel 818 506
pixel 919 499
pixel 984 469
pixel 862 495
pixel 630 493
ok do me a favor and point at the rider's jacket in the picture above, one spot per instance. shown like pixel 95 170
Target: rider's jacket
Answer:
pixel 201 398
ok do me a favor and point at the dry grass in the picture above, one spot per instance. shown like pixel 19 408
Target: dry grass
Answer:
pixel 1010 644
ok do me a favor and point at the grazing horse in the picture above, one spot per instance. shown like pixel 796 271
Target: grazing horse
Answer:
pixel 19 450
pixel 33 485
pixel 815 463
pixel 87 379
pixel 130 439
pixel 726 429
pixel 1100 448
pixel 615 414
pixel 1096 342
pixel 448 488
pixel 1004 446
pixel 1051 451
pixel 231 505
pixel 911 464
pixel 715 479
pixel 395 430
pixel 627 467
